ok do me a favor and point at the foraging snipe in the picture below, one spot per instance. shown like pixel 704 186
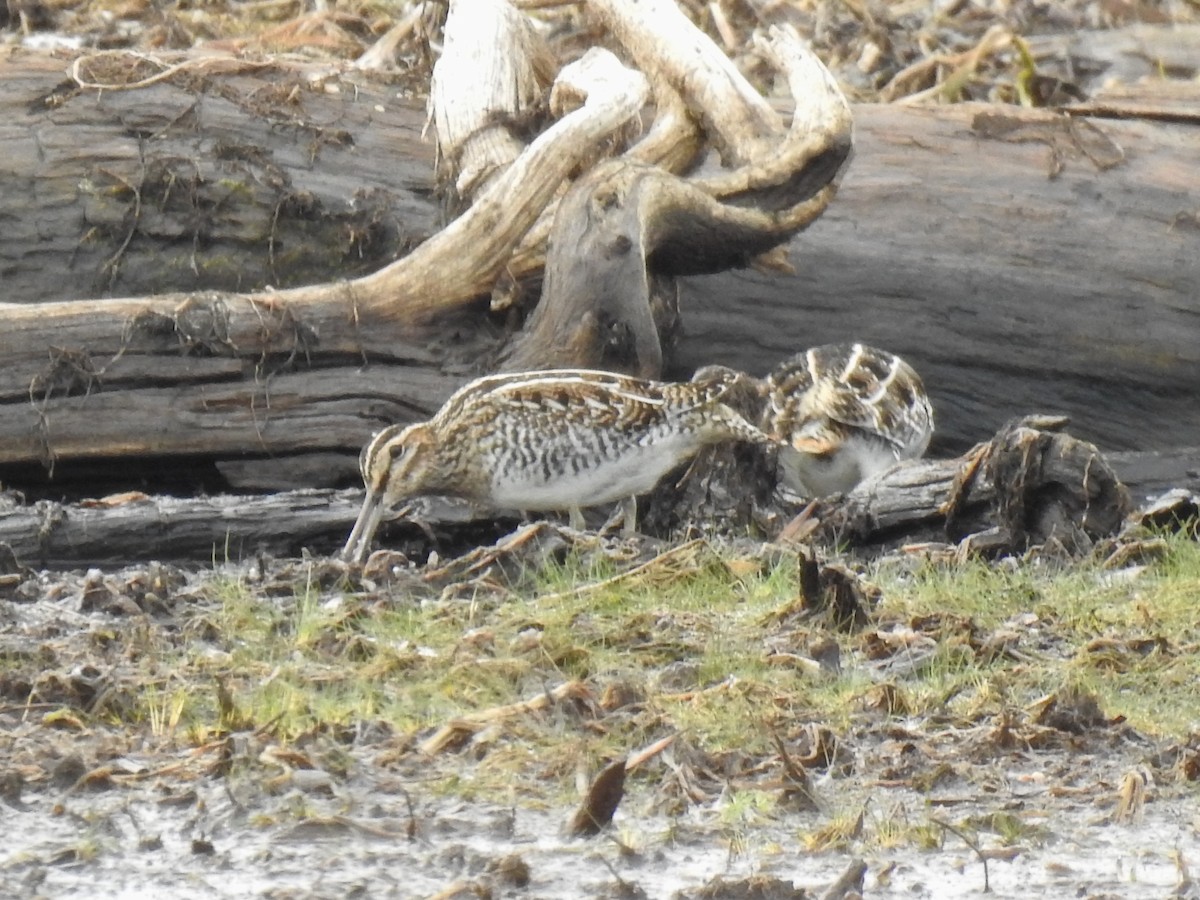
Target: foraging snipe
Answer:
pixel 844 413
pixel 553 440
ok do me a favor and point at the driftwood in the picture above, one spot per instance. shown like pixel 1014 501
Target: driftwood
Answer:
pixel 141 527
pixel 105 378
pixel 1005 306
pixel 1027 486
pixel 1021 259
pixel 1056 489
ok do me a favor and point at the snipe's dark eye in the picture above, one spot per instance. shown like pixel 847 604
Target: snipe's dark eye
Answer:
pixel 382 448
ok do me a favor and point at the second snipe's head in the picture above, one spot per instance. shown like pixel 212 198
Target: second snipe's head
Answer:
pixel 399 463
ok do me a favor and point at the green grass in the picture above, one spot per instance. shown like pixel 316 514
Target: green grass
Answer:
pixel 1129 641
pixel 326 658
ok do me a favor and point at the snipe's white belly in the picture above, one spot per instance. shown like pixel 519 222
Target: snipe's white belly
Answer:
pixel 566 476
pixel 856 461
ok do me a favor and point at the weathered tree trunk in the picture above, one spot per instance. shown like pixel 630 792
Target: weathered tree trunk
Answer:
pixel 949 243
pixel 231 176
pixel 1009 289
pixel 114 384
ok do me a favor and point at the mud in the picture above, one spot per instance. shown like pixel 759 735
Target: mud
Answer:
pixel 105 796
pixel 357 835
pixel 357 844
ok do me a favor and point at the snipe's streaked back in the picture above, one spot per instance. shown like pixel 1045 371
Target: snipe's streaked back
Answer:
pixel 844 413
pixel 560 439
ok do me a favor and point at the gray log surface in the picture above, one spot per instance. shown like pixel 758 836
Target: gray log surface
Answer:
pixel 228 181
pixel 1009 290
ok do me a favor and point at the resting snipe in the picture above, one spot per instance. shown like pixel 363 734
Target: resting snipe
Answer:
pixel 844 413
pixel 552 440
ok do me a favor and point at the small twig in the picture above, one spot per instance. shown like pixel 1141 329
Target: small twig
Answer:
pixel 475 721
pixel 271 238
pixel 27 707
pixel 974 845
pixel 647 753
pixel 996 38
pixel 411 830
pixel 626 889
pixel 850 880
pixel 113 263
pixel 618 578
pixel 166 72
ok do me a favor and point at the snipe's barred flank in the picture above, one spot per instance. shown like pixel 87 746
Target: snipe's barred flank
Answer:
pixel 552 440
pixel 844 413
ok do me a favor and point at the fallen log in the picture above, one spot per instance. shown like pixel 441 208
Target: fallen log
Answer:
pixel 232 175
pixel 1030 485
pixel 1010 288
pixel 1074 296
pixel 118 362
pixel 135 527
pixel 1071 494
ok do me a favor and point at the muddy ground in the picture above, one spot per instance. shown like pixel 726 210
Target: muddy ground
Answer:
pixel 139 754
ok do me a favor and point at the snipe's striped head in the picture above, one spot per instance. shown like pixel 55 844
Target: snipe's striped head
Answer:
pixel 398 463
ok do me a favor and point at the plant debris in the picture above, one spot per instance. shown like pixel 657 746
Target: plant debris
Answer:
pixel 335 704
pixel 891 51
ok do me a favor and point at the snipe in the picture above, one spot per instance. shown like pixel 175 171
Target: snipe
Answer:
pixel 844 413
pixel 552 440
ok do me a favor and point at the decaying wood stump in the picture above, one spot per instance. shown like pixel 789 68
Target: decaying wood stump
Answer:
pixel 1030 485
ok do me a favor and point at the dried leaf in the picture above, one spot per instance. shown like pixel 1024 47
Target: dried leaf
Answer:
pixel 601 801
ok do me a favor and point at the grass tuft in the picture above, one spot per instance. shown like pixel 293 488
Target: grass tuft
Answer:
pixel 711 645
